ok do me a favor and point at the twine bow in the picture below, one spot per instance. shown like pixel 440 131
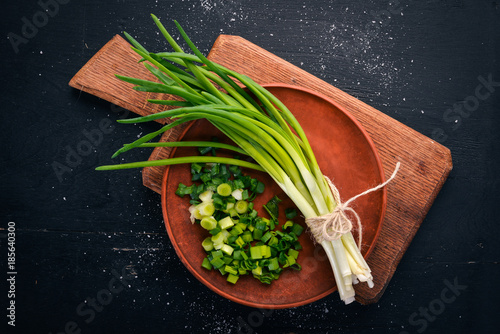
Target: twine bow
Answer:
pixel 333 225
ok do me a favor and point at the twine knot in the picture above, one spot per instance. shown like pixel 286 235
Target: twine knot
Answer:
pixel 333 225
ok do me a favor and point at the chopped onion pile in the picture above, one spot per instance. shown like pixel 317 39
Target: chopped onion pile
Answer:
pixel 239 242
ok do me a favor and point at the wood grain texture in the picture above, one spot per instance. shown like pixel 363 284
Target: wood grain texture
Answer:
pixel 425 163
pixel 97 77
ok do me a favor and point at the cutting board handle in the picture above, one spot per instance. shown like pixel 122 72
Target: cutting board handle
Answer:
pixel 97 77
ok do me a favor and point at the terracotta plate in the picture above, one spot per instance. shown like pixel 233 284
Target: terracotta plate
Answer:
pixel 344 152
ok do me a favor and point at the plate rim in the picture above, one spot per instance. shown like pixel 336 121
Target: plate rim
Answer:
pixel 301 302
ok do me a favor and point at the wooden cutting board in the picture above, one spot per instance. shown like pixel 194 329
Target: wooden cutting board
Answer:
pixel 425 164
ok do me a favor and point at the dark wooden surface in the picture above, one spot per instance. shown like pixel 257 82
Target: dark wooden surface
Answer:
pixel 420 63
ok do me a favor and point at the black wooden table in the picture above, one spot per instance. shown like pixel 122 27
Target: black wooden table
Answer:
pixel 91 252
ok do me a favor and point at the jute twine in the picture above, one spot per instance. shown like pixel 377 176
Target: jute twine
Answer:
pixel 335 224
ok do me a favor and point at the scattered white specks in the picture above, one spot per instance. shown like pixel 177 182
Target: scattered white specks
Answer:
pixel 353 44
pixel 207 5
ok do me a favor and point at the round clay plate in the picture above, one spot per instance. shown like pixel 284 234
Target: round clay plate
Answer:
pixel 345 153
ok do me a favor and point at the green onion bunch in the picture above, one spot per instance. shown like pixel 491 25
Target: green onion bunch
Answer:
pixel 260 126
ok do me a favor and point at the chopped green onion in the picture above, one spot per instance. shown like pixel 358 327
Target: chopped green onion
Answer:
pixel 256 253
pixel 224 189
pixel 241 206
pixel 273 264
pixel 216 254
pixel 247 236
pixel 215 231
pixel 226 223
pixel 231 271
pixel 287 224
pixel 257 234
pixel 206 264
pixel 261 225
pixel 240 242
pixel 293 253
pixel 208 223
pixel 207 244
pixel 217 262
pixel 206 208
pixel 265 238
pixel 257 271
pixel 272 207
pixel 218 239
pixel 227 249
pixel 297 229
pixel 206 196
pixel 290 213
